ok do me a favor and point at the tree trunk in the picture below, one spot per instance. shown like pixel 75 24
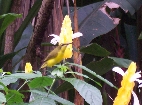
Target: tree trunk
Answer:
pixel 19 7
pixel 78 100
pixel 42 20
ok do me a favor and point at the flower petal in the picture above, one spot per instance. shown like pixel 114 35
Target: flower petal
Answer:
pixel 55 40
pixel 135 76
pixel 136 100
pixel 140 85
pixel 118 70
pixel 28 68
pixel 139 81
pixel 76 35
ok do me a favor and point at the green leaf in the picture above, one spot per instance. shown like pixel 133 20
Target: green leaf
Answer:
pixel 60 100
pixel 4 58
pixel 121 61
pixel 63 87
pixel 22 103
pixel 43 101
pixel 7 80
pixel 5 6
pixel 95 21
pixel 140 37
pixel 57 72
pixel 33 11
pixel 8 19
pixel 14 97
pixel 40 82
pixel 40 96
pixel 85 76
pixel 1 70
pixel 63 68
pixel 2 98
pixel 3 87
pixel 93 73
pixel 102 66
pixel 99 67
pixel 26 75
pixel 90 93
pixel 53 97
pixel 95 49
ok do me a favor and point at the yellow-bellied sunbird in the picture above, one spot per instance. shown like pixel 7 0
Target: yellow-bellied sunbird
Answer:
pixel 55 56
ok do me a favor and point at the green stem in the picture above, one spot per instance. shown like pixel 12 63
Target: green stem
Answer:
pixel 51 86
pixel 23 85
pixel 48 91
pixel 19 89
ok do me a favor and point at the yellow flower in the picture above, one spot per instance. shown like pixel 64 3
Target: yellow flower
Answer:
pixel 66 36
pixel 28 68
pixel 127 84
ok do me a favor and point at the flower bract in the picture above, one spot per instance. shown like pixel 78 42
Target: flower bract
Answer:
pixel 66 36
pixel 127 85
pixel 28 68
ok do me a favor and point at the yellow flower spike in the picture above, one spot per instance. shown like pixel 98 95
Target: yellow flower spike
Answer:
pixel 125 91
pixel 28 68
pixel 66 36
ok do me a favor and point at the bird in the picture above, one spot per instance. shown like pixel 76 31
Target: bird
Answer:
pixel 55 56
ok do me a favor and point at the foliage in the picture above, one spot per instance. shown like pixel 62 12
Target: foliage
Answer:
pixel 38 85
pixel 94 22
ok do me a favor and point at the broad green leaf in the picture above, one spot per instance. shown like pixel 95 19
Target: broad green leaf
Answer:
pixel 40 82
pixel 63 87
pixel 5 6
pixel 26 75
pixel 39 92
pixel 60 100
pixel 2 98
pixel 40 96
pixel 93 73
pixel 20 103
pixel 121 61
pixel 53 97
pixel 140 37
pixel 85 76
pixel 4 58
pixel 101 67
pixel 8 19
pixel 90 93
pixel 43 101
pixel 14 97
pixel 94 19
pixel 7 80
pixel 33 11
pixel 95 49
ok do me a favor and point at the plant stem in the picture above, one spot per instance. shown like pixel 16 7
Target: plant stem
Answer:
pixel 19 89
pixel 48 91
pixel 51 86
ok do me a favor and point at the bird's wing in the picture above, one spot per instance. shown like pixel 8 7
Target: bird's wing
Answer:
pixel 52 54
